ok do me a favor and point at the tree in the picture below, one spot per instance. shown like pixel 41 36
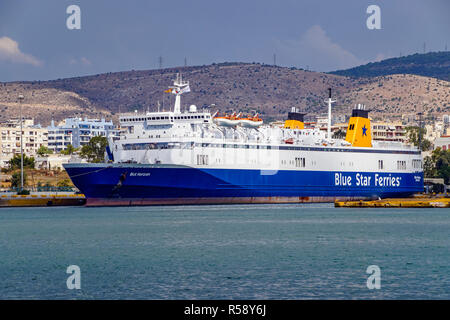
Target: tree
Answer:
pixel 64 183
pixel 15 180
pixel 438 165
pixel 429 168
pixel 94 151
pixel 69 150
pixel 412 133
pixel 14 162
pixel 43 150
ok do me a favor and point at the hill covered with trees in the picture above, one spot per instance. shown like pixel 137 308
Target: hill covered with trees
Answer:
pixel 433 64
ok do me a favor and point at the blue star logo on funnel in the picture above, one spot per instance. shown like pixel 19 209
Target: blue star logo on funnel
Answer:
pixel 364 129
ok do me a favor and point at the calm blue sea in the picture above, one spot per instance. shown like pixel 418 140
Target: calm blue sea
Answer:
pixel 309 251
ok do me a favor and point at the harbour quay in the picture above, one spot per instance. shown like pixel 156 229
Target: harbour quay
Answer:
pixel 42 199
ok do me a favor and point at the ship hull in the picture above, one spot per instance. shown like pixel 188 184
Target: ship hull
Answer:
pixel 137 184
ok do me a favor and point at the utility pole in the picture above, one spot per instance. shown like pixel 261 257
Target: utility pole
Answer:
pixel 160 60
pixel 185 62
pixel 21 97
pixel 420 131
pixel 424 47
pixel 274 59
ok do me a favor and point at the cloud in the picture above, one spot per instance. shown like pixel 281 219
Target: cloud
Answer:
pixel 83 60
pixel 9 51
pixel 317 50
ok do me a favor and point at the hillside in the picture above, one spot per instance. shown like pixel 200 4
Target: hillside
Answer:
pixel 270 90
pixel 433 64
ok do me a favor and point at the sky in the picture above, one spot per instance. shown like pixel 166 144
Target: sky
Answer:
pixel 319 35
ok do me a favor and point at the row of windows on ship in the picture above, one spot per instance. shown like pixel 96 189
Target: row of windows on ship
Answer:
pixel 187 145
pixel 203 159
pixel 181 117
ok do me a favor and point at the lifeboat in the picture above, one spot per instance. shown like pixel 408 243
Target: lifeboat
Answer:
pixel 251 122
pixel 227 120
pixel 289 141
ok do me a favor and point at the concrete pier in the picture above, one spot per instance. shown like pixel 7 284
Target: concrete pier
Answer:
pixel 42 200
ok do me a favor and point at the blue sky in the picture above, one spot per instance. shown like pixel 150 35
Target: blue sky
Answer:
pixel 322 35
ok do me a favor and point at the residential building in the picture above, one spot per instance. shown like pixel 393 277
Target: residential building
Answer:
pixel 383 131
pixel 442 142
pixel 388 131
pixel 78 132
pixel 34 136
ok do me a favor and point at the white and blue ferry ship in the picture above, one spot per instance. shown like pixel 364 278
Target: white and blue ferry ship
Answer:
pixel 192 157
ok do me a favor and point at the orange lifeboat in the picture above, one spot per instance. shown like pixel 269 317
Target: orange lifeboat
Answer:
pixel 227 120
pixel 251 122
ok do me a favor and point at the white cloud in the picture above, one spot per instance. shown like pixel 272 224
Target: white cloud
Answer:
pixel 83 60
pixel 9 51
pixel 316 50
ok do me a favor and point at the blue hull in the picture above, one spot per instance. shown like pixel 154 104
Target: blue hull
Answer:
pixel 108 184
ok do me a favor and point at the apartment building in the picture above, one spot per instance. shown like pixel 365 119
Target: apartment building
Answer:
pixel 34 136
pixel 77 132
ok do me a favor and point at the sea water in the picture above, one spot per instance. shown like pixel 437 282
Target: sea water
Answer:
pixel 304 251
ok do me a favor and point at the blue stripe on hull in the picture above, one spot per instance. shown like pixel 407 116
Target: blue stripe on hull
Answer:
pixel 185 182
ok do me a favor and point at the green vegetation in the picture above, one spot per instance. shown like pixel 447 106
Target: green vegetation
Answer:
pixel 15 180
pixel 70 149
pixel 412 133
pixel 64 183
pixel 14 162
pixel 433 64
pixel 438 165
pixel 94 151
pixel 43 150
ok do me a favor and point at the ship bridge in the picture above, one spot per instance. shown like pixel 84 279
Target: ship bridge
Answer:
pixel 163 118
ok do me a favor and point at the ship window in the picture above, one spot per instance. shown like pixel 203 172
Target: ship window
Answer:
pixel 202 159
pixel 380 164
pixel 417 164
pixel 401 165
pixel 300 162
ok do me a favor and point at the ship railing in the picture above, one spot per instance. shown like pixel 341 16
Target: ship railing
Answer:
pixel 393 145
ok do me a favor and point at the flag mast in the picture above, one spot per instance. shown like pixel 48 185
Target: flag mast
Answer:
pixel 179 87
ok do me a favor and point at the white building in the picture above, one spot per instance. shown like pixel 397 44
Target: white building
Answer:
pixel 77 132
pixel 51 161
pixel 442 142
pixel 34 136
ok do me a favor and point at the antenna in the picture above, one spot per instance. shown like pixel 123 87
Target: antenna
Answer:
pixel 329 113
pixel 160 60
pixel 185 62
